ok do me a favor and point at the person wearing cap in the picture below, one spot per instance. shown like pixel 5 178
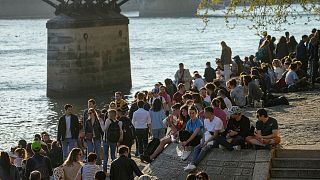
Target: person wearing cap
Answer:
pixel 237 130
pixel 209 73
pixel 183 76
pixel 124 167
pixel 38 162
pixel 267 131
pixel 68 130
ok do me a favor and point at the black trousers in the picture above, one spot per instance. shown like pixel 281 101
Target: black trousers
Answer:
pixel 142 139
pixel 185 135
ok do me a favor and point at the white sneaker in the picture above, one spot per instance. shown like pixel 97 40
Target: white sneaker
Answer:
pixel 190 167
pixel 185 155
pixel 221 147
pixel 238 148
pixel 173 139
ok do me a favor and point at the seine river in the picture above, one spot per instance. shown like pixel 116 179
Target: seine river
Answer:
pixel 157 45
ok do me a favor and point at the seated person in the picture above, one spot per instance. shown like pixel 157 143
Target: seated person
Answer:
pixel 236 93
pixel 213 126
pixel 292 80
pixel 191 136
pixel 267 134
pixel 254 91
pixel 175 123
pixel 237 130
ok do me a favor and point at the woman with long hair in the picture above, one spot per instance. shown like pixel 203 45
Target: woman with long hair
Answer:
pixel 157 115
pixel 72 164
pixel 93 133
pixel 7 170
pixel 282 49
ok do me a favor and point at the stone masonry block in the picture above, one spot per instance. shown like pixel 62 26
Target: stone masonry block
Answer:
pixel 215 163
pixel 214 170
pixel 231 171
pixel 246 165
pixel 230 164
pixel 247 172
pixel 243 178
pixel 263 156
pixel 261 171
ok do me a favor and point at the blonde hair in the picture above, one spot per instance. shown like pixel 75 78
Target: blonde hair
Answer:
pixel 21 153
pixel 72 157
pixel 276 63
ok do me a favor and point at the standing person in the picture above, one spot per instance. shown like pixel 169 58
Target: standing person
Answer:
pixel 7 170
pixel 91 104
pixel 167 98
pixel 56 154
pixel 124 167
pixel 72 164
pixel 46 139
pixel 120 102
pixel 209 73
pixel 93 133
pixel 170 87
pixel 226 60
pixel 113 134
pixel 157 115
pixel 236 93
pixel 183 76
pixel 264 54
pixel 177 97
pixel 237 130
pixel 68 130
pixel 287 35
pixel 313 59
pixel 89 170
pixel 213 126
pixel 302 53
pixel 141 120
pixel 128 130
pixel 38 162
pixel 267 134
pixel 292 44
pixel 263 37
pixel 282 49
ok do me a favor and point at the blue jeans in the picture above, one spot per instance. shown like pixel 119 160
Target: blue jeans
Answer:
pixel 67 145
pixel 158 133
pixel 94 146
pixel 200 152
pixel 106 146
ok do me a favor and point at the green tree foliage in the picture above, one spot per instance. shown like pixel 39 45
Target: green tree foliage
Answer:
pixel 262 14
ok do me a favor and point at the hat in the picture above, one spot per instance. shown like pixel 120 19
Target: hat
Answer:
pixel 235 110
pixel 36 145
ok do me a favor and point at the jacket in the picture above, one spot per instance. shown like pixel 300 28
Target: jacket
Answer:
pixel 226 56
pixel 96 128
pixel 12 175
pixel 74 127
pixel 34 161
pixel 302 52
pixel 122 169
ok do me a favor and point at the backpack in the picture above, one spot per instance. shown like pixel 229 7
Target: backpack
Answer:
pixel 128 132
pixel 42 167
pixel 152 146
pixel 113 133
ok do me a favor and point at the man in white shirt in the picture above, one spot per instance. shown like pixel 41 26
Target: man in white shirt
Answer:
pixel 213 126
pixel 141 120
pixel 205 96
pixel 198 82
pixel 88 171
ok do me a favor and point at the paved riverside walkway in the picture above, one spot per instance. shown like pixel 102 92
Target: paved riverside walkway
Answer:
pixel 220 164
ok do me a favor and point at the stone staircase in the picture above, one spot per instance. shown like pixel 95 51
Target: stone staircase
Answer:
pixel 295 164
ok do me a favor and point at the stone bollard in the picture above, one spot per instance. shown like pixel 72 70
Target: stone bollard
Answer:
pixel 88 53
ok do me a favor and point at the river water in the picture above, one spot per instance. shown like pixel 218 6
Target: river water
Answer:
pixel 157 45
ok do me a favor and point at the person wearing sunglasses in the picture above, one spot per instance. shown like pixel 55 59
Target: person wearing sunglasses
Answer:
pixel 267 134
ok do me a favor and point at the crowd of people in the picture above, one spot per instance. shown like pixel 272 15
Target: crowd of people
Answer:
pixel 199 113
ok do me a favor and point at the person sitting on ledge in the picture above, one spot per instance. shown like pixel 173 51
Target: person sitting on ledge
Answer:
pixel 213 127
pixel 175 123
pixel 267 134
pixel 237 130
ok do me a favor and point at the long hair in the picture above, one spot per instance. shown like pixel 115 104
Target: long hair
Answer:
pixel 157 105
pixel 21 152
pixel 5 161
pixel 94 112
pixel 72 157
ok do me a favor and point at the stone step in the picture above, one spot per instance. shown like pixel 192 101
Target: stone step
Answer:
pixel 295 173
pixel 311 163
pixel 293 153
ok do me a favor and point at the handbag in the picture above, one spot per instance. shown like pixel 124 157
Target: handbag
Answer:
pixel 58 173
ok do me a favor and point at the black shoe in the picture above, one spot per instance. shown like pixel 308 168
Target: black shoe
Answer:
pixel 145 158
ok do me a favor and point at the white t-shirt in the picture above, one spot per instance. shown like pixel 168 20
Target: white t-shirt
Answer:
pixel 207 99
pixel 198 83
pixel 291 78
pixel 141 118
pixel 210 126
pixel 88 171
pixel 227 102
pixel 68 126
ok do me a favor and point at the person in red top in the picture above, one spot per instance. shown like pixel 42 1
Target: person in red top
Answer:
pixel 177 97
pixel 215 103
pixel 173 121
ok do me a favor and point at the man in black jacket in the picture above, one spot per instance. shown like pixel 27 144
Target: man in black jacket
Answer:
pixel 123 167
pixel 302 53
pixel 68 130
pixel 38 162
pixel 237 130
